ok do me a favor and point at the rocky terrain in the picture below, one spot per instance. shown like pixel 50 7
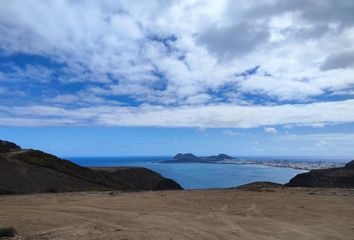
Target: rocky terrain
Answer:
pixel 342 177
pixel 267 213
pixel 33 171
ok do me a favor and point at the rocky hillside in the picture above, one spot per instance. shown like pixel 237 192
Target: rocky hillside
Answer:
pixel 342 177
pixel 6 147
pixel 30 171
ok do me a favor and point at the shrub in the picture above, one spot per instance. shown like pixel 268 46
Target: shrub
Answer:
pixel 7 232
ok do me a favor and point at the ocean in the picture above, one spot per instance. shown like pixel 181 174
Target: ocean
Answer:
pixel 197 175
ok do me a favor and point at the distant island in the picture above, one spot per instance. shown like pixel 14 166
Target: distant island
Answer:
pixel 191 158
pixel 226 159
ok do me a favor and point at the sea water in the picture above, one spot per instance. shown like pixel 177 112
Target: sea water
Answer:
pixel 197 175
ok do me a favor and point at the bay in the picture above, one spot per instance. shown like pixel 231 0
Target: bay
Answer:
pixel 196 175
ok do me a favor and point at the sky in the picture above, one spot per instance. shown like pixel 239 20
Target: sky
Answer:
pixel 157 77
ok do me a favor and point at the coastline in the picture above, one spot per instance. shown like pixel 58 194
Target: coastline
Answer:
pixel 306 166
pixel 298 165
pixel 209 176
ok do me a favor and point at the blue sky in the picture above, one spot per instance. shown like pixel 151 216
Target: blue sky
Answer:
pixel 331 142
pixel 160 77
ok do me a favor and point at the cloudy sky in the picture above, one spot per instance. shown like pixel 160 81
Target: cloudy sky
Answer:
pixel 272 77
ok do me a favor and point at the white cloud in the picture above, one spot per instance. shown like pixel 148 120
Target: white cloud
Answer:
pixel 64 99
pixel 210 116
pixel 116 48
pixel 230 133
pixel 97 38
pixel 324 138
pixel 284 89
pixel 335 144
pixel 29 72
pixel 270 130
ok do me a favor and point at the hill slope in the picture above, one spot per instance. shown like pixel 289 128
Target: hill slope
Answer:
pixel 29 171
pixel 342 177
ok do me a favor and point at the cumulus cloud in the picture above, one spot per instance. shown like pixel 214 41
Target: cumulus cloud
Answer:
pixel 270 130
pixel 176 63
pixel 210 116
pixel 233 41
pixel 339 60
pixel 283 90
pixel 316 12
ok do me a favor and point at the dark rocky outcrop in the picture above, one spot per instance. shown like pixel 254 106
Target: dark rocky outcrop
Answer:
pixel 350 165
pixel 145 179
pixel 31 171
pixel 6 147
pixel 190 158
pixel 342 177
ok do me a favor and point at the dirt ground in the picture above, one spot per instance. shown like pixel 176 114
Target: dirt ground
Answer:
pixel 195 214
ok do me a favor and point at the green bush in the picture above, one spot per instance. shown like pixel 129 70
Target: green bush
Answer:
pixel 7 232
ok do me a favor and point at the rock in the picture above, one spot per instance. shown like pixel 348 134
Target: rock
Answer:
pixel 145 179
pixel 342 177
pixel 6 147
pixel 350 165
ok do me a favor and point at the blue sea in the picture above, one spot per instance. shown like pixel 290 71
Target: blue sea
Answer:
pixel 197 175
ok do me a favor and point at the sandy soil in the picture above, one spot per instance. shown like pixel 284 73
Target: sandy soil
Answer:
pixel 203 214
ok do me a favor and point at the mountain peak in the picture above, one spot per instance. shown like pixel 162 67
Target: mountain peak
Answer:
pixel 185 156
pixel 224 156
pixel 350 165
pixel 6 147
